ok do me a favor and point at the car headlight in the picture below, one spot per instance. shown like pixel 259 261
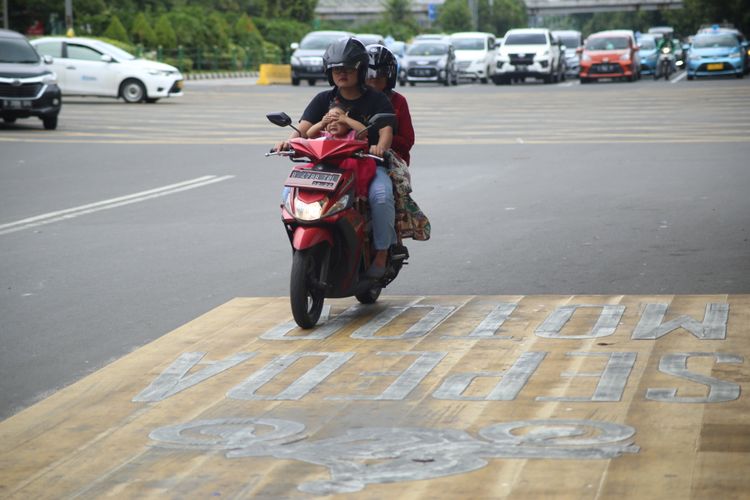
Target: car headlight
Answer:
pixel 308 211
pixel 585 57
pixel 694 57
pixel 735 54
pixel 49 78
pixel 625 57
pixel 504 59
pixel 159 72
pixel 295 61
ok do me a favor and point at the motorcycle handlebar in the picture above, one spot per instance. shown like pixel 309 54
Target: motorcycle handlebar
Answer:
pixel 291 152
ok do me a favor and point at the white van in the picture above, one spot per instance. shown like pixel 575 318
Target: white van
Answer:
pixel 476 57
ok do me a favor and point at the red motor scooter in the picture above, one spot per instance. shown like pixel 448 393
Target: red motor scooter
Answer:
pixel 328 227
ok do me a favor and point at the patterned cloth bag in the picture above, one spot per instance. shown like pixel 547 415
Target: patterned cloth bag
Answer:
pixel 411 222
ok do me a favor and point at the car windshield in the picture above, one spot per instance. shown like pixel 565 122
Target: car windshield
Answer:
pixel 648 43
pixel 370 39
pixel 468 43
pixel 570 42
pixel 115 52
pixel 16 50
pixel 714 41
pixel 525 39
pixel 318 42
pixel 607 43
pixel 428 49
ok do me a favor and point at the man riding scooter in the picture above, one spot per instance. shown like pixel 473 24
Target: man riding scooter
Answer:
pixel 666 48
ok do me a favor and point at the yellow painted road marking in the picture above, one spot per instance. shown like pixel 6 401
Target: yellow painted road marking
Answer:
pixel 414 397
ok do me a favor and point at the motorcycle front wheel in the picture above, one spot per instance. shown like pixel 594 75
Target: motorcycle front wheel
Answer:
pixel 370 296
pixel 306 294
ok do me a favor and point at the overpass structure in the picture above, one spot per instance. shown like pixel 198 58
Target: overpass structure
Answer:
pixel 564 7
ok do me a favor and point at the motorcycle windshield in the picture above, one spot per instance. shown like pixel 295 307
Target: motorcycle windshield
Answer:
pixel 328 149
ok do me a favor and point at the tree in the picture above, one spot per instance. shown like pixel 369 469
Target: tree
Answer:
pixel 247 35
pixel 455 16
pixel 142 32
pixel 508 14
pixel 164 33
pixel 116 31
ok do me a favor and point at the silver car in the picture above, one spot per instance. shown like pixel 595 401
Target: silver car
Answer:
pixel 430 61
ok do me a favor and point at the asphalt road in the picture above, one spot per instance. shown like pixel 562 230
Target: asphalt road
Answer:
pixel 131 220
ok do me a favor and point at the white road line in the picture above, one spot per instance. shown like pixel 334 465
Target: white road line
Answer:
pixel 679 77
pixel 120 201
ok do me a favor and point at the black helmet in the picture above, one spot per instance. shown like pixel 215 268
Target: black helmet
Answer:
pixel 382 63
pixel 348 52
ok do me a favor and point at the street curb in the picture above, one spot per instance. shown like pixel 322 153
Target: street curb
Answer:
pixel 221 74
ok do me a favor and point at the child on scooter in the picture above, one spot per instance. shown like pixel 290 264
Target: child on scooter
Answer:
pixel 336 124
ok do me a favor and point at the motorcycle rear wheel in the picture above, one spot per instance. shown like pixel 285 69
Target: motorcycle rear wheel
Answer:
pixel 305 294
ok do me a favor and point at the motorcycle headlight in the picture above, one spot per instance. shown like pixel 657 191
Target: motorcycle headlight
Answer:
pixel 665 50
pixel 625 57
pixel 342 204
pixel 308 211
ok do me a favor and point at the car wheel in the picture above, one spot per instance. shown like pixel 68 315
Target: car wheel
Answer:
pixel 412 83
pixel 740 75
pixel 311 82
pixel 584 80
pixel 152 100
pixel 690 77
pixel 50 122
pixel 9 119
pixel 132 91
pixel 295 81
pixel 402 82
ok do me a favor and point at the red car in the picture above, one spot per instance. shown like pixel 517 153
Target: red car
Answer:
pixel 610 54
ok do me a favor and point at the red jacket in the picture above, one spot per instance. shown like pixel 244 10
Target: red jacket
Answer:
pixel 403 139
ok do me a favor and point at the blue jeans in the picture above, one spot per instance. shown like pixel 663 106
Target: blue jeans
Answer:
pixel 382 209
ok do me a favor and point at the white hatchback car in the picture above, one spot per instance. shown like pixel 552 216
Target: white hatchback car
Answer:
pixel 88 67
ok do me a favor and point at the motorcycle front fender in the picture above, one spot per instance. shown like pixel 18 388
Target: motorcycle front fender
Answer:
pixel 307 237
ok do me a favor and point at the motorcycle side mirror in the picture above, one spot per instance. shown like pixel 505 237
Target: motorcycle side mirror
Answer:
pixel 379 121
pixel 282 120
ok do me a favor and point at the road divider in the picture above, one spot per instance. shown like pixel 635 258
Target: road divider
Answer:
pixel 120 201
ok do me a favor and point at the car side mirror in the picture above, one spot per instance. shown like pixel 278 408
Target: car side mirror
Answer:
pixel 294 45
pixel 107 58
pixel 579 50
pixel 47 59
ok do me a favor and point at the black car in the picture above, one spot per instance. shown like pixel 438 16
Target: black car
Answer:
pixel 27 86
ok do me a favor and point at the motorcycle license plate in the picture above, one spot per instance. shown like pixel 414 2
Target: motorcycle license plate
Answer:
pixel 310 179
pixel 716 67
